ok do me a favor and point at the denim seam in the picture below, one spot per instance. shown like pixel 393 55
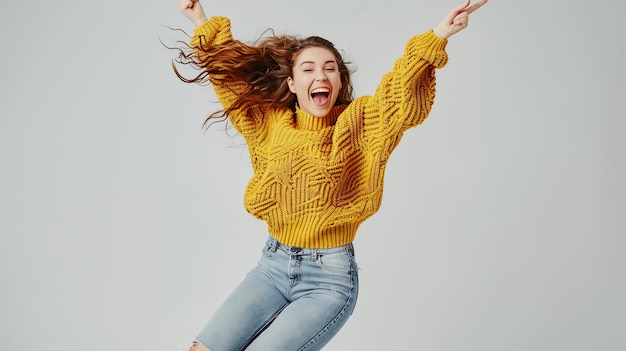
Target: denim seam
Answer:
pixel 337 317
pixel 263 327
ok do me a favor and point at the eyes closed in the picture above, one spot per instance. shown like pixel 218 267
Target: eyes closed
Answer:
pixel 310 67
pixel 329 69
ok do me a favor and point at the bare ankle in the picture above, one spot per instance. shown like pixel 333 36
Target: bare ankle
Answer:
pixel 198 347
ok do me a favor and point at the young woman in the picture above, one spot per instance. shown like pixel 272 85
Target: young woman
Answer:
pixel 318 158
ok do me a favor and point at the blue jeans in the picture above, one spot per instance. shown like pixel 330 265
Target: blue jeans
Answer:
pixel 294 299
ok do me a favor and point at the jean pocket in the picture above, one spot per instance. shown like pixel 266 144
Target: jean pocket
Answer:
pixel 339 262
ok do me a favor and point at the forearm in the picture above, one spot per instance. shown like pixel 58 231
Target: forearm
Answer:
pixel 405 95
pixel 213 31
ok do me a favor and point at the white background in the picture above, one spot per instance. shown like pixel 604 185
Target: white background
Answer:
pixel 502 226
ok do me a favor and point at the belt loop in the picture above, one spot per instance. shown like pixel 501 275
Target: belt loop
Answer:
pixel 274 245
pixel 314 255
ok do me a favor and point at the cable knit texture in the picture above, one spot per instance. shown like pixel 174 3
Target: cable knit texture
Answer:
pixel 317 179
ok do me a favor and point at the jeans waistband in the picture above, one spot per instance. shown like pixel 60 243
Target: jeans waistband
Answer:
pixel 274 245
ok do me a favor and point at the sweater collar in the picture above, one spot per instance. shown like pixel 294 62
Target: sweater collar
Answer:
pixel 309 122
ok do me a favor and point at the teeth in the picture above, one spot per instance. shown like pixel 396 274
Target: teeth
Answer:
pixel 320 90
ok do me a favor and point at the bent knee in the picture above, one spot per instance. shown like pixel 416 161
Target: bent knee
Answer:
pixel 198 347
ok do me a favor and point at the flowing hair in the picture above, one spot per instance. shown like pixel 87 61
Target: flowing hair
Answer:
pixel 257 73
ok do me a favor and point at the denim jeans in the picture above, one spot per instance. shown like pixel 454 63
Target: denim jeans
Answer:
pixel 294 299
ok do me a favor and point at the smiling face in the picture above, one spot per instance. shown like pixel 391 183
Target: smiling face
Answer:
pixel 315 80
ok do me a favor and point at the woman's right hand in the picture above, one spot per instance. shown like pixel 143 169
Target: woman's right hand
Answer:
pixel 193 11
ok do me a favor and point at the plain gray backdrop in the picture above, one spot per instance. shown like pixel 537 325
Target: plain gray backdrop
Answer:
pixel 502 226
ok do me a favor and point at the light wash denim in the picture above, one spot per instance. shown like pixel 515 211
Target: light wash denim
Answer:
pixel 294 300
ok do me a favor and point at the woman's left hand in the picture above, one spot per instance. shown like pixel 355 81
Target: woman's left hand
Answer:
pixel 456 20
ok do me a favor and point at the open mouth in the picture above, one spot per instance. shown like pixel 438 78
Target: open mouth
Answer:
pixel 320 96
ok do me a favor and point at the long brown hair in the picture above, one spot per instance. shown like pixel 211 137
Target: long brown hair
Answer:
pixel 263 68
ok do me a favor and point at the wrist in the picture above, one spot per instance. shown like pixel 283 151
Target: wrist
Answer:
pixel 441 33
pixel 200 21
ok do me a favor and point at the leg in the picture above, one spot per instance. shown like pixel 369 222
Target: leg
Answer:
pixel 324 299
pixel 246 312
pixel 306 324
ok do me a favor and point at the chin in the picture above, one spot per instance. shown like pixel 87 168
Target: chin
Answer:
pixel 320 111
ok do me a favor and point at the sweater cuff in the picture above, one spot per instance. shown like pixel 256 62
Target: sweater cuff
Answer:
pixel 429 46
pixel 212 32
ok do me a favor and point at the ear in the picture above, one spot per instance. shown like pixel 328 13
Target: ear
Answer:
pixel 291 85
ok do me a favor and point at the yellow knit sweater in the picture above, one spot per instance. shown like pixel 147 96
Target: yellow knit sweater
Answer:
pixel 317 179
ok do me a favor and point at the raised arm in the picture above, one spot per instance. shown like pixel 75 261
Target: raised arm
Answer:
pixel 405 95
pixel 213 43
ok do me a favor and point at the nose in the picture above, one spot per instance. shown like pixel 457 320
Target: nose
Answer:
pixel 321 77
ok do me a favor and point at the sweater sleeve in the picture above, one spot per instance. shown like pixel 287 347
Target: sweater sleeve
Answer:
pixel 405 95
pixel 216 31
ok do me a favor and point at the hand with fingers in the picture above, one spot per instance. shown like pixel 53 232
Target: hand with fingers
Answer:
pixel 457 19
pixel 192 9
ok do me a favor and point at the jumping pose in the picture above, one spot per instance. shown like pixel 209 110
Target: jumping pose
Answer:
pixel 318 157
